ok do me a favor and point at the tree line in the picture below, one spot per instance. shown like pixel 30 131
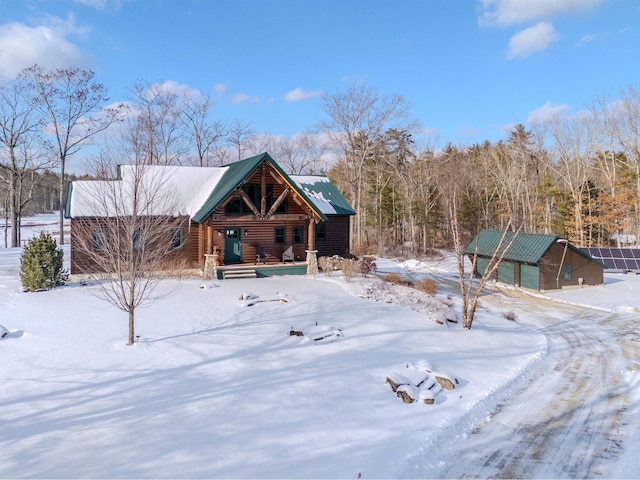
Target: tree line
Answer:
pixel 575 176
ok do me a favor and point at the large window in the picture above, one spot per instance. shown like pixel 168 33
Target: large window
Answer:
pixel 298 234
pixel 279 234
pixel 100 239
pixel 253 192
pixel 236 206
pixel 283 207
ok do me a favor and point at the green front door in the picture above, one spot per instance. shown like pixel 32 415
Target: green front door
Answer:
pixel 232 245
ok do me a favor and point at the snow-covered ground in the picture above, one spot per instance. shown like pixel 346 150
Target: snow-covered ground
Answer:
pixel 216 387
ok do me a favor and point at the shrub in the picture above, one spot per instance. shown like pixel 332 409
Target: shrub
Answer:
pixel 349 268
pixel 329 264
pixel 396 279
pixel 427 285
pixel 368 265
pixel 41 264
pixel 392 278
pixel 509 316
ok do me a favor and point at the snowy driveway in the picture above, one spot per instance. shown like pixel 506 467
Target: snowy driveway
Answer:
pixel 570 416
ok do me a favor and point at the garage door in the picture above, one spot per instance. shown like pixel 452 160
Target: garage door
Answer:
pixel 481 265
pixel 506 272
pixel 530 276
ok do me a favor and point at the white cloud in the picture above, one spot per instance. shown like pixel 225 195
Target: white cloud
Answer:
pixel 244 98
pixel 97 4
pixel 22 46
pixel 100 4
pixel 586 39
pixel 531 40
pixel 506 129
pixel 180 89
pixel 220 88
pixel 547 112
pixel 513 12
pixel 299 94
pixel 429 132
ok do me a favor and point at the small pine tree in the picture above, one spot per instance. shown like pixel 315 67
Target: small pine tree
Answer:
pixel 41 264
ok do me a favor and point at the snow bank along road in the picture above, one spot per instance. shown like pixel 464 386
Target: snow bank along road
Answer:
pixel 568 417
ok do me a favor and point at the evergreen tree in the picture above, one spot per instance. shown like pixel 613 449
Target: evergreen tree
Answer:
pixel 41 264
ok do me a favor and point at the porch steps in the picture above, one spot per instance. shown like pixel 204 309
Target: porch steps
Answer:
pixel 240 272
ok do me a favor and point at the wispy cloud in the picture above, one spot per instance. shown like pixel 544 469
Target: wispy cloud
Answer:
pixel 504 13
pixel 179 89
pixel 47 45
pixel 100 4
pixel 531 40
pixel 547 112
pixel 586 39
pixel 538 37
pixel 220 88
pixel 244 98
pixel 298 94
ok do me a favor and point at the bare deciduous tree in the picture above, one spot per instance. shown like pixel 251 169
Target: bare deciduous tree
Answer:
pixel 158 132
pixel 23 152
pixel 470 294
pixel 303 154
pixel 239 135
pixel 204 133
pixel 629 139
pixel 130 233
pixel 73 104
pixel 358 119
pixel 573 151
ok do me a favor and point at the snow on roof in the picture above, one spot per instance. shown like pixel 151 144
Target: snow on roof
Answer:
pixel 323 194
pixel 184 189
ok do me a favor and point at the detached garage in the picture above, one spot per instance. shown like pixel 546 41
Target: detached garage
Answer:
pixel 535 261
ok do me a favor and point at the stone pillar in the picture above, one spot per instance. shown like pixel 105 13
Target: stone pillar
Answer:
pixel 312 262
pixel 210 266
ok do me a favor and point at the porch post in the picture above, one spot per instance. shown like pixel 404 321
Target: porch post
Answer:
pixel 209 238
pixel 210 266
pixel 312 262
pixel 311 234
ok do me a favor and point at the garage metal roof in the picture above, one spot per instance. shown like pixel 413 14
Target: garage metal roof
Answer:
pixel 526 247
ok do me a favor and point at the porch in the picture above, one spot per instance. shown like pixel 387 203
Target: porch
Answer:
pixel 257 270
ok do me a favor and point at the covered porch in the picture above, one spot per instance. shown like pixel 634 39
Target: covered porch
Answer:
pixel 258 269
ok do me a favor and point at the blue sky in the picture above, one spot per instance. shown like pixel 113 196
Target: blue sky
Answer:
pixel 469 68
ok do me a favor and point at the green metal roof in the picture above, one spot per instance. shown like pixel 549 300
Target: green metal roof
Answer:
pixel 324 194
pixel 526 247
pixel 234 176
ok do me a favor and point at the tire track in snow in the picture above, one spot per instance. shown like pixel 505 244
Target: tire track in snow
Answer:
pixel 570 419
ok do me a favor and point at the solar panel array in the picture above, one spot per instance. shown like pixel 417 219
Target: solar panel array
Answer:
pixel 622 259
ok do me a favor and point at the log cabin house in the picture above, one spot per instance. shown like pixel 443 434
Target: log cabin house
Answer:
pixel 249 212
pixel 535 261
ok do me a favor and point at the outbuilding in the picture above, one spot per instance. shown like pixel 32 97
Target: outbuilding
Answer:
pixel 536 261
